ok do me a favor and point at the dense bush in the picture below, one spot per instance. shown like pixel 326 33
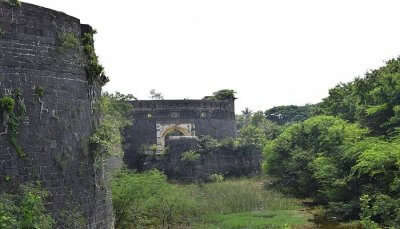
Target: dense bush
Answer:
pixel 107 139
pixel 349 161
pixel 147 200
pixel 308 157
pixel 25 209
pixel 335 162
pixel 256 129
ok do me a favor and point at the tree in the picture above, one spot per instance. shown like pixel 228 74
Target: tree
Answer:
pixel 374 100
pixel 224 94
pixel 156 95
pixel 289 114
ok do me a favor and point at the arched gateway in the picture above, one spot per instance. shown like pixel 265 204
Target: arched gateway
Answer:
pixel 154 120
pixel 163 130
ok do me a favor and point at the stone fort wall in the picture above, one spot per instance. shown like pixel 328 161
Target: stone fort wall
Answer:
pixel 55 130
pixel 152 119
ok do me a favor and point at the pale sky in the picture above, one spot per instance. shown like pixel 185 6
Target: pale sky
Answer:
pixel 272 52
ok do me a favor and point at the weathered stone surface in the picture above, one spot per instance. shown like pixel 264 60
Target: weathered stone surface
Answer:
pixel 154 119
pixel 226 161
pixel 56 128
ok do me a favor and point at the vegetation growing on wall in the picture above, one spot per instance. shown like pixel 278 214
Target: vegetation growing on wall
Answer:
pixel 68 41
pixel 106 140
pixel 190 156
pixel 39 91
pixel 14 3
pixel 94 71
pixel 12 109
pixel 1 32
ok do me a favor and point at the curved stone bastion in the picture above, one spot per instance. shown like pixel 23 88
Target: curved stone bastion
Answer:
pixel 43 69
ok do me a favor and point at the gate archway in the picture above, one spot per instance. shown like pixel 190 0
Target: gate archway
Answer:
pixel 186 129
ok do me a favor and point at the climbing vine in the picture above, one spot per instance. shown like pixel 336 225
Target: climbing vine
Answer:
pixel 1 32
pixel 39 92
pixel 106 140
pixel 94 71
pixel 13 111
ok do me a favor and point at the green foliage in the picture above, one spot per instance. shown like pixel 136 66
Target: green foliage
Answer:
pixel 72 216
pixel 13 116
pixel 275 219
pixel 337 164
pixel 367 213
pixel 7 104
pixel 25 210
pixel 8 212
pixel 68 41
pixel 289 114
pixel 373 100
pixel 94 71
pixel 255 129
pixel 224 94
pixel 2 33
pixel 142 200
pixel 106 140
pixel 310 159
pixel 14 3
pixel 146 200
pixel 190 156
pixel 215 177
pixel 39 91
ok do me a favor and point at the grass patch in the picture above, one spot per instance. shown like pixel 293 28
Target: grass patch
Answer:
pixel 258 220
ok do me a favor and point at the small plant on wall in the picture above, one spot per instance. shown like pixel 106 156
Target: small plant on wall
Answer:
pixel 190 156
pixel 95 71
pixel 1 32
pixel 12 110
pixel 68 41
pixel 14 3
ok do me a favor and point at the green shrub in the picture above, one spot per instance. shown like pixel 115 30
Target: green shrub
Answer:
pixel 146 200
pixel 95 71
pixel 190 156
pixel 107 139
pixel 218 178
pixel 7 104
pixel 68 41
pixel 13 118
pixel 25 210
pixel 224 94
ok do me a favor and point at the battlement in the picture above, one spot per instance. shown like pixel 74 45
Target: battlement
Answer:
pixel 183 109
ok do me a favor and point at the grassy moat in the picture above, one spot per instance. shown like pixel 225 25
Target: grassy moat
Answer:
pixel 231 204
